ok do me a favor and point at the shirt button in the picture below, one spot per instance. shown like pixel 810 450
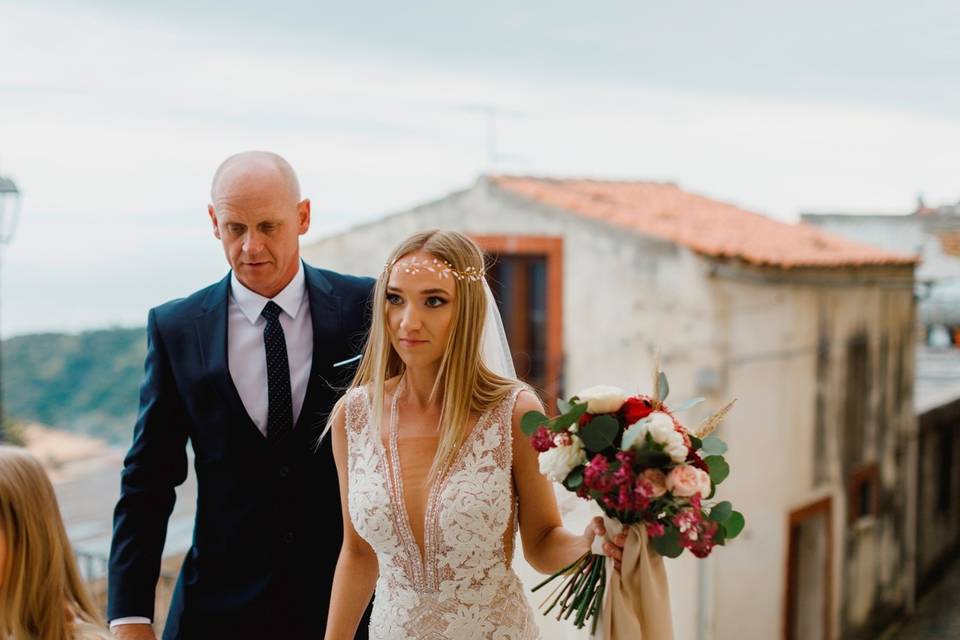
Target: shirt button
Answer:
pixel 288 537
pixel 284 471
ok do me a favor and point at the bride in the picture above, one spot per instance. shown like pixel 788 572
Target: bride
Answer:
pixel 435 475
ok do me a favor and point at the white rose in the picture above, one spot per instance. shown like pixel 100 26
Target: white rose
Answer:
pixel 603 399
pixel 675 448
pixel 558 462
pixel 660 427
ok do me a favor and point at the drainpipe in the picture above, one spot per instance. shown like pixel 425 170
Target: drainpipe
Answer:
pixel 705 584
pixel 911 516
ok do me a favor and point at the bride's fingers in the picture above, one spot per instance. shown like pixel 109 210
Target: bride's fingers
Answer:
pixel 598 527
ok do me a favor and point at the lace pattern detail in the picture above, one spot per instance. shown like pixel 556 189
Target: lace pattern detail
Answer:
pixel 462 586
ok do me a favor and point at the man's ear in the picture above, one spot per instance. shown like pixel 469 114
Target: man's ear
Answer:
pixel 213 219
pixel 303 215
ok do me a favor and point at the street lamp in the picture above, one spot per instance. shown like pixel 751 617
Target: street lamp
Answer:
pixel 9 216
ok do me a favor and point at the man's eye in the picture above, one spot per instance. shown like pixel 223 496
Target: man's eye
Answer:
pixel 434 301
pixel 393 298
pixel 235 228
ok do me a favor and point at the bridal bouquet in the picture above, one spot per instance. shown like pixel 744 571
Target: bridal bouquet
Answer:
pixel 650 475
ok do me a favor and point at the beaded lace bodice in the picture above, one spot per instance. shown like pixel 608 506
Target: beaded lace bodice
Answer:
pixel 462 585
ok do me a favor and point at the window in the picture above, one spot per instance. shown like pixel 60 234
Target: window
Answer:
pixel 519 285
pixel 863 496
pixel 525 276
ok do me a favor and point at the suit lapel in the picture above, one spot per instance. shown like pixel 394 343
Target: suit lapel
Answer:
pixel 212 333
pixel 325 315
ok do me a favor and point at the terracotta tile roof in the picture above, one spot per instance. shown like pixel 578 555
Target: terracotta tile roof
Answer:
pixel 706 226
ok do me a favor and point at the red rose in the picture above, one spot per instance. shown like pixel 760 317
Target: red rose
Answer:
pixel 636 408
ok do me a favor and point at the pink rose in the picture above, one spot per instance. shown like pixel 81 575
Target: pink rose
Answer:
pixel 686 481
pixel 654 483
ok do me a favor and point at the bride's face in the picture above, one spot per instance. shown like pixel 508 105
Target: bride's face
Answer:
pixel 419 309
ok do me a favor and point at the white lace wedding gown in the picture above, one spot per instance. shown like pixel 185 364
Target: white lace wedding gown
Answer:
pixel 462 586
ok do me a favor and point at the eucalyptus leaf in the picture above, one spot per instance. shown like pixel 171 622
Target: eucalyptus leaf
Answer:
pixel 531 421
pixel 669 543
pixel 564 422
pixel 663 387
pixel 563 406
pixel 734 525
pixel 721 512
pixel 720 537
pixel 600 433
pixel 714 446
pixel 574 479
pixel 719 469
pixel 696 442
pixel 635 431
pixel 689 404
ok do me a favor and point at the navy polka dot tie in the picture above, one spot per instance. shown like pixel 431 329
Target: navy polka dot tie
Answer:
pixel 280 403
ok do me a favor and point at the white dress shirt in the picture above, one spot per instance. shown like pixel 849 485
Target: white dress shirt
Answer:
pixel 246 354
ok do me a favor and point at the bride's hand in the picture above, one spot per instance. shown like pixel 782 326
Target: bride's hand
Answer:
pixel 612 549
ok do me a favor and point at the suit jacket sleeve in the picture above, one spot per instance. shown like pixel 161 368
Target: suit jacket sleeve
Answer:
pixel 155 464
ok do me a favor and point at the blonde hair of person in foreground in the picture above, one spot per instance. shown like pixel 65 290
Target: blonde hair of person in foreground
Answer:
pixel 41 594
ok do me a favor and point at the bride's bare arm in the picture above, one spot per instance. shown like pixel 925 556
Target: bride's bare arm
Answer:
pixel 356 575
pixel 547 546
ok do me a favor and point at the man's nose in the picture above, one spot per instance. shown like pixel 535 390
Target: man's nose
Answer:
pixel 252 242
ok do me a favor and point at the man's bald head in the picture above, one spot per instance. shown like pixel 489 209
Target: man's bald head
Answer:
pixel 257 170
pixel 258 216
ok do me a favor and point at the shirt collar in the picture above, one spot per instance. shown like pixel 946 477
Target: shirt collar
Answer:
pixel 252 303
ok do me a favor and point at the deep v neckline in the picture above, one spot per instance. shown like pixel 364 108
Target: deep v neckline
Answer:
pixel 424 569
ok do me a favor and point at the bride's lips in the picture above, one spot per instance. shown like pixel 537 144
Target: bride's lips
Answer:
pixel 407 342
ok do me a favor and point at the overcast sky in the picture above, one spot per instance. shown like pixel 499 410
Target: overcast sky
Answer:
pixel 114 115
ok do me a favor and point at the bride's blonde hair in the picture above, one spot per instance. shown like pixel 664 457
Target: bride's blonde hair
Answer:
pixel 41 593
pixel 465 382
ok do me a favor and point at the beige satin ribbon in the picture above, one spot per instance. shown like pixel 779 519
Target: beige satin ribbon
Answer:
pixel 637 598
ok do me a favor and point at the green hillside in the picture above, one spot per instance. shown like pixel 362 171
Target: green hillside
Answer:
pixel 87 382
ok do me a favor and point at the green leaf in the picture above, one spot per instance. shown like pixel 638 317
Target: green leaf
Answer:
pixel 564 406
pixel 734 525
pixel 669 543
pixel 713 491
pixel 720 537
pixel 574 479
pixel 714 446
pixel 531 421
pixel 689 404
pixel 721 512
pixel 696 442
pixel 564 422
pixel 632 433
pixel 649 458
pixel 719 469
pixel 600 433
pixel 663 388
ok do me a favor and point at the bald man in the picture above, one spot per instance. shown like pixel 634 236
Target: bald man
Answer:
pixel 245 370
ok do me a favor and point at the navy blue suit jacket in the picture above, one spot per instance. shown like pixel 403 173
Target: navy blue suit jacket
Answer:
pixel 268 521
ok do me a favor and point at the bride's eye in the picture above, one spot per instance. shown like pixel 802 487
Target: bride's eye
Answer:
pixel 434 301
pixel 393 298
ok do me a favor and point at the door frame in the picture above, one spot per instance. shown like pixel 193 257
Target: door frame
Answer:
pixel 551 247
pixel 824 507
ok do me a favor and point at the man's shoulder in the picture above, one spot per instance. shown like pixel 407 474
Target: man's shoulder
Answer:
pixel 188 307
